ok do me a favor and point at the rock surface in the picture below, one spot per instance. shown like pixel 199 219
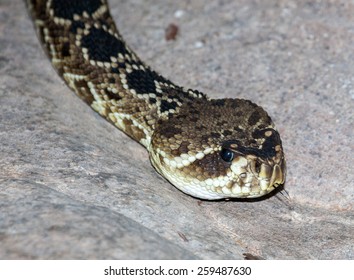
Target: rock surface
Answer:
pixel 74 187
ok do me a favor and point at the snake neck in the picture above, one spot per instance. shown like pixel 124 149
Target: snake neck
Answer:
pixel 89 53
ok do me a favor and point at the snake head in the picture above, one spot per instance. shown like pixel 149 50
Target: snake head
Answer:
pixel 217 149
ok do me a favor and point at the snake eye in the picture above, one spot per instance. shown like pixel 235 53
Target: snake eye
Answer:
pixel 227 155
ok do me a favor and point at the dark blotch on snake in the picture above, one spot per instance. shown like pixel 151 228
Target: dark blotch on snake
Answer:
pixel 166 105
pixel 68 8
pixel 65 51
pixel 102 46
pixel 171 132
pixel 76 25
pixel 143 81
pixel 254 118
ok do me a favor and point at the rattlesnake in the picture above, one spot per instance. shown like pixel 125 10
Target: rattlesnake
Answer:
pixel 208 148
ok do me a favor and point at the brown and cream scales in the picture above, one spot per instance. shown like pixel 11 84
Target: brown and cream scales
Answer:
pixel 208 148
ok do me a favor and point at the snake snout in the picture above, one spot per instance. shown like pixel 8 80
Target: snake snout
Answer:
pixel 256 176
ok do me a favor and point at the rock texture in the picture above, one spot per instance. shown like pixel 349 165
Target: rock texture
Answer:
pixel 74 187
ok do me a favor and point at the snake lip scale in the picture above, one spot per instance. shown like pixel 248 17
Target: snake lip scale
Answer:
pixel 208 148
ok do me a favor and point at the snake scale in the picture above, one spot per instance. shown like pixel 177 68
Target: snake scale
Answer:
pixel 208 148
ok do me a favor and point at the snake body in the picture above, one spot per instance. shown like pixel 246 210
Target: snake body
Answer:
pixel 207 148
